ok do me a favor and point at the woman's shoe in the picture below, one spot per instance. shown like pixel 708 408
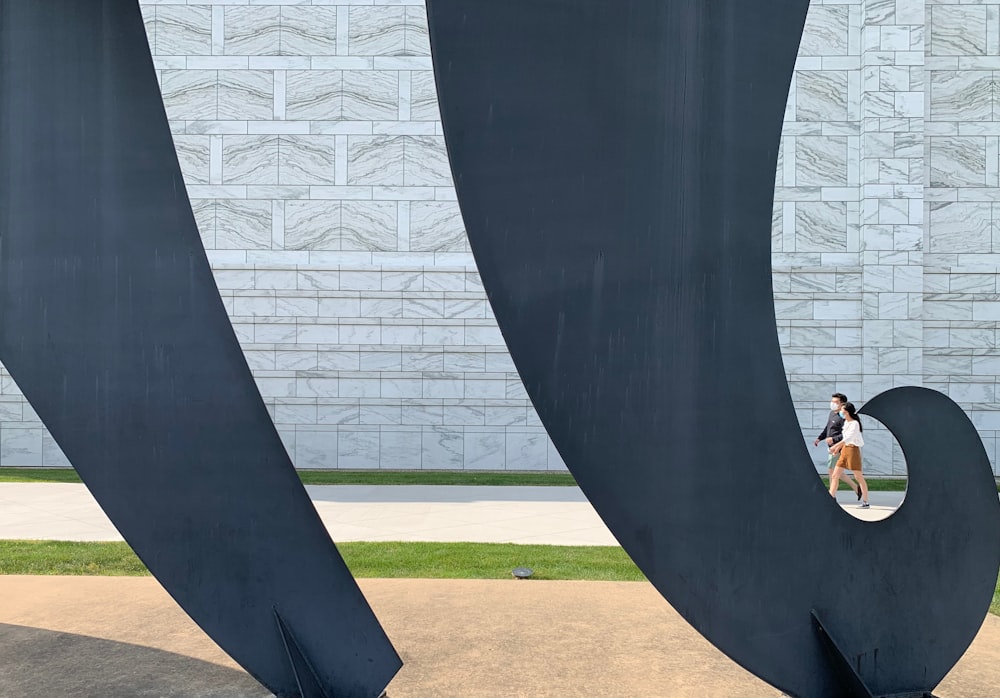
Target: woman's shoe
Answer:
pixel 863 505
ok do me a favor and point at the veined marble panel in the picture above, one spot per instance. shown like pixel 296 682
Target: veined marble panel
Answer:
pixel 426 162
pixel 183 30
pixel 957 227
pixel 962 95
pixel 826 31
pixel 313 95
pixel 312 225
pixel 194 156
pixel 250 159
pixel 246 95
pixel 416 42
pixel 307 160
pixel 252 30
pixel 957 161
pixel 821 95
pixel 377 30
pixel 958 29
pixel 375 160
pixel 190 95
pixel 368 225
pixel 242 224
pixel 370 95
pixel 437 226
pixel 821 226
pixel 308 30
pixel 821 160
pixel 423 96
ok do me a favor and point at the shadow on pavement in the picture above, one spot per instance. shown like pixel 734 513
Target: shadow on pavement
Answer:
pixel 38 662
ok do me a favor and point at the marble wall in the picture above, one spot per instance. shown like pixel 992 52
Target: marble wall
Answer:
pixel 310 142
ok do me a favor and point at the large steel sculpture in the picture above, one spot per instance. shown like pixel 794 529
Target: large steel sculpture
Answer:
pixel 615 165
pixel 111 324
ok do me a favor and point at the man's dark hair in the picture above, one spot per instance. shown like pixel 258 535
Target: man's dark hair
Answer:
pixel 841 397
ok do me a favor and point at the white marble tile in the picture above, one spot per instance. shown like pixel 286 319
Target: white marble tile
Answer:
pixel 426 162
pixel 442 449
pixel 485 450
pixel 190 95
pixel 423 96
pixel 820 226
pixel 377 31
pixel 960 227
pixel 400 450
pixel 419 413
pixel 312 225
pixel 826 31
pixel 252 30
pixel 316 449
pixel 368 225
pixel 821 95
pixel 183 30
pixel 821 160
pixel 307 160
pixel 21 446
pixel 526 450
pixel 242 224
pixel 437 226
pixel 375 160
pixel 193 154
pixel 958 30
pixel 358 449
pixel 249 159
pixel 370 95
pixel 339 412
pixel 417 42
pixel 308 31
pixel 961 95
pixel 246 95
pixel 957 161
pixel 313 95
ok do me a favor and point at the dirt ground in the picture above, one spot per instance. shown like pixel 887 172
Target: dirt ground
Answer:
pixel 123 636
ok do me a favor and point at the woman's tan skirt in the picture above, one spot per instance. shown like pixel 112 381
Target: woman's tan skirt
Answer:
pixel 850 458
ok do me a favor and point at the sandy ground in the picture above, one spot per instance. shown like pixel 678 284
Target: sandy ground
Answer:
pixel 108 636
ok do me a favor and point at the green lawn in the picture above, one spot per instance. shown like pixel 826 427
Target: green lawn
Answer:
pixel 381 560
pixel 387 560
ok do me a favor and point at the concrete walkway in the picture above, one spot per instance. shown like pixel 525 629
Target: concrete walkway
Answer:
pixel 545 515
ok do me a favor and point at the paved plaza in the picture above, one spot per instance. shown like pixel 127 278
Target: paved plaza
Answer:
pixel 544 515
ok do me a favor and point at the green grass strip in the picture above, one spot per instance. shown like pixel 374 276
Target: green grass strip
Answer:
pixel 372 560
pixel 348 477
pixel 365 559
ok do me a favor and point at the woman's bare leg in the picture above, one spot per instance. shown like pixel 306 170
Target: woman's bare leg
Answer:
pixel 864 485
pixel 835 481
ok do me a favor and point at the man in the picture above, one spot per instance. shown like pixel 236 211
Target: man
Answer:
pixel 833 433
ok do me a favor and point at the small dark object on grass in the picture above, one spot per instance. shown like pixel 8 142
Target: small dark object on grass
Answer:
pixel 522 572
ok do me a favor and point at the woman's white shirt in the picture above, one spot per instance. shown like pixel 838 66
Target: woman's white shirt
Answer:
pixel 852 434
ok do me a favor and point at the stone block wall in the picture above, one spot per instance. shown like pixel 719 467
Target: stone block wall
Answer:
pixel 310 142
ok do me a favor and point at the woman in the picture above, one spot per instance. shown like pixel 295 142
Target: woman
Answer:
pixel 850 453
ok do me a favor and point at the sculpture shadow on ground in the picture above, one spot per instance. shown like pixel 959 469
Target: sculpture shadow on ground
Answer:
pixel 38 662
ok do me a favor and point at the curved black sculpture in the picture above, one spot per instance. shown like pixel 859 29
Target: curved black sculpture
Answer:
pixel 615 165
pixel 111 324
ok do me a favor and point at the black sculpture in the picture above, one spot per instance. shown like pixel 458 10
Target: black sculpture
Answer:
pixel 111 324
pixel 615 162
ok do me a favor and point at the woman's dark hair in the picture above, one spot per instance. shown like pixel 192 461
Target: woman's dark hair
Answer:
pixel 850 409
